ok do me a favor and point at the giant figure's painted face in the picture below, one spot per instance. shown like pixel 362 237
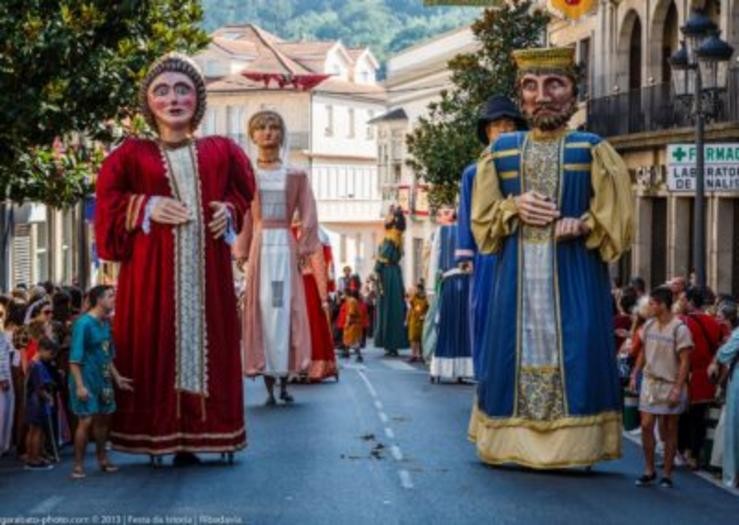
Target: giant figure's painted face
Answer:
pixel 548 100
pixel 172 100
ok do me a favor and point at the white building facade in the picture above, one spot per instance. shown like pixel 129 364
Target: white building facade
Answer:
pixel 415 78
pixel 329 134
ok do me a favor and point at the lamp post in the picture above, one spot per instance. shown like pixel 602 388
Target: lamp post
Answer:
pixel 699 75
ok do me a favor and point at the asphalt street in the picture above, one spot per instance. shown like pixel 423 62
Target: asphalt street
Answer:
pixel 383 445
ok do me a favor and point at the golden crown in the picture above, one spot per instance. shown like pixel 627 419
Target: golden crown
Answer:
pixel 545 58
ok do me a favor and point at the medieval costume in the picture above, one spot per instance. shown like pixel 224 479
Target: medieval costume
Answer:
pixel 352 320
pixel 316 283
pixel 276 333
pixel 549 393
pixel 389 332
pixel 175 329
pixel 497 107
pixel 418 306
pixel 452 357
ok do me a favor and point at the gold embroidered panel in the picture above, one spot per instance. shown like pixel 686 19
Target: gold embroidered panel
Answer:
pixel 541 174
pixel 540 395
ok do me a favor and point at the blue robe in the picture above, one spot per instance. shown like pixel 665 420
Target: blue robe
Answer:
pixel 728 354
pixel 483 266
pixel 549 394
pixel 452 358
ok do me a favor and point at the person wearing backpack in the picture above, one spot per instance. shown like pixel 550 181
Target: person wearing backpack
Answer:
pixel 707 336
pixel 665 362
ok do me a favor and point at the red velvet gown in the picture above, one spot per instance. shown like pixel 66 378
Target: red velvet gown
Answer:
pixel 316 280
pixel 161 415
pixel 317 284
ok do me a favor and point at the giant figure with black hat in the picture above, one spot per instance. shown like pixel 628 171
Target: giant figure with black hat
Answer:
pixel 498 115
pixel 555 207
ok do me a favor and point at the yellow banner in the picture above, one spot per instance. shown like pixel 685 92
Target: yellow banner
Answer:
pixel 574 9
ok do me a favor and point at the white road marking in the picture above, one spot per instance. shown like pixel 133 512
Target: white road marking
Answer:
pixel 47 505
pixel 371 389
pixel 405 476
pixel 405 479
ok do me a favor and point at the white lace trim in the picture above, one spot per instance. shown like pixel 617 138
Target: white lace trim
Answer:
pixel 191 340
pixel 452 367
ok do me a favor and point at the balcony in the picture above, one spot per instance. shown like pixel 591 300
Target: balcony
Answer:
pixel 654 108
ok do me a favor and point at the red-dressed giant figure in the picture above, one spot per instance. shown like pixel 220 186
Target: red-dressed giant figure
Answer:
pixel 167 210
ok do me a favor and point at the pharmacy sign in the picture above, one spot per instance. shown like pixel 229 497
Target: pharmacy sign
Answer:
pixel 721 167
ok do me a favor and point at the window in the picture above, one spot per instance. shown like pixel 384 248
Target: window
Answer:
pixel 209 125
pixel 397 171
pixel 235 116
pixel 351 124
pixel 42 252
pixel 67 245
pixel 370 128
pixel 329 132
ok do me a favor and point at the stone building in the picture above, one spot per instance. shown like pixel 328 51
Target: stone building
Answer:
pixel 624 47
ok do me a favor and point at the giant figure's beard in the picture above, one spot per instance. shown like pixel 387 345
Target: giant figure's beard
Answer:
pixel 551 122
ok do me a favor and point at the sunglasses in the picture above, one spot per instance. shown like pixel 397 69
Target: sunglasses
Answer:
pixel 46 312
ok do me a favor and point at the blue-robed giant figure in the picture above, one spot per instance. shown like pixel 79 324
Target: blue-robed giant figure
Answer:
pixel 498 115
pixel 554 207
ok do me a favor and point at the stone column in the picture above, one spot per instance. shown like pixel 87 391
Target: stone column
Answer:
pixel 720 243
pixel 643 239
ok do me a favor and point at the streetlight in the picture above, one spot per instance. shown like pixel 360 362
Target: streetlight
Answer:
pixel 699 75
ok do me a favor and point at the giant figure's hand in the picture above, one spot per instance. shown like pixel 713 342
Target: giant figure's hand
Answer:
pixel 220 219
pixel 536 209
pixel 569 228
pixel 170 211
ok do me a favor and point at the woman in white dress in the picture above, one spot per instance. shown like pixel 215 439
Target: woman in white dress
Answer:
pixel 276 333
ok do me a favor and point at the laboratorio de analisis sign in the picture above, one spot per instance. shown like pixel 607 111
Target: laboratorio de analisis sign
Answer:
pixel 721 167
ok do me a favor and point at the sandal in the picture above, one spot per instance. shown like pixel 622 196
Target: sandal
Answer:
pixel 78 473
pixel 108 467
pixel 286 398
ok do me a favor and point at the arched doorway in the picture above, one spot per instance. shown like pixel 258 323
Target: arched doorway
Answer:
pixel 670 40
pixel 630 53
pixel 635 56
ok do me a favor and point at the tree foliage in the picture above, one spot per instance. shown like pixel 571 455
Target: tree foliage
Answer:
pixel 69 74
pixel 445 141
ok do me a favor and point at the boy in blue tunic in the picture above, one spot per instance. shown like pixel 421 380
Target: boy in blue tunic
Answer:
pixel 40 391
pixel 92 377
pixel 555 206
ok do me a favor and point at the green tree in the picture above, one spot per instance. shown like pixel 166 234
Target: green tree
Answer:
pixel 69 72
pixel 445 141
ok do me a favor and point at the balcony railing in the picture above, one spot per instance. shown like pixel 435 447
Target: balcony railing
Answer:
pixel 654 108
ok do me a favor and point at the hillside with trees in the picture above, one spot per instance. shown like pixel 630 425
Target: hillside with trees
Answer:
pixel 384 25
